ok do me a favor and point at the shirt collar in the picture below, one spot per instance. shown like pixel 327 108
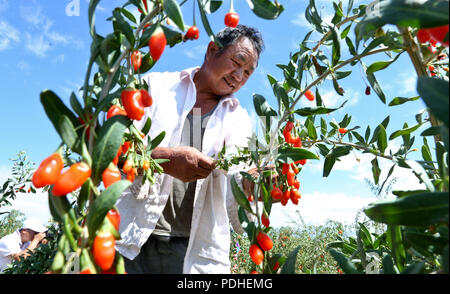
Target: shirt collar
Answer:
pixel 190 72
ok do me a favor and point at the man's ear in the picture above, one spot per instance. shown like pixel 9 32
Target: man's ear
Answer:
pixel 211 50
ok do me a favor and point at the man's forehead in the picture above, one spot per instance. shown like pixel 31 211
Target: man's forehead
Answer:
pixel 244 50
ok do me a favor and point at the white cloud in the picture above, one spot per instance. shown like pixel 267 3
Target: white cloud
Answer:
pixel 41 37
pixel 8 35
pixel 38 45
pixel 407 84
pixel 197 52
pixel 32 205
pixel 359 168
pixel 23 66
pixel 315 208
pixel 59 59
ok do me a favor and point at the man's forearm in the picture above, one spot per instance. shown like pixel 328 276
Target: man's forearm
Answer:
pixel 162 153
pixel 25 253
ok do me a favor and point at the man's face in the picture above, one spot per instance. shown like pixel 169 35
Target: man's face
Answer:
pixel 230 70
pixel 27 235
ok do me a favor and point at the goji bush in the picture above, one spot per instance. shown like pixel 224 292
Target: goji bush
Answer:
pixel 416 239
pixel 98 129
pixel 312 240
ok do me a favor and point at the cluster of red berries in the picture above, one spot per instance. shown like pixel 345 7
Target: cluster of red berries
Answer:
pixel 433 36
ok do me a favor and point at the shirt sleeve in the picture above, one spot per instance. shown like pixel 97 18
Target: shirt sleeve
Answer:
pixel 9 247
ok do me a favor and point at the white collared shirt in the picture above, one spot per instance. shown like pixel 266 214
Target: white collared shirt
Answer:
pixel 140 206
pixel 9 245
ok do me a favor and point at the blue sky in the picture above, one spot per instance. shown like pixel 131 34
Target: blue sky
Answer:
pixel 41 47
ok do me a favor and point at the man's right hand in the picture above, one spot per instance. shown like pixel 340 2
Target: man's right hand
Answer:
pixel 38 237
pixel 186 163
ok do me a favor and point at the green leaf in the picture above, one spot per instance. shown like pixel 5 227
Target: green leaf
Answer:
pixel 328 165
pixel 147 63
pixel 420 209
pixel 265 8
pixel 323 127
pixel 55 108
pixel 340 151
pixel 380 65
pixel 382 139
pixel 210 6
pixel 336 50
pixel 375 85
pixel 262 107
pixel 376 171
pixel 312 133
pixel 147 126
pixel 293 154
pixel 128 15
pixel 415 268
pixel 308 111
pixel 400 100
pixel 388 265
pixel 431 131
pixel 124 26
pixel 157 140
pixel 58 206
pixel 444 260
pixel 280 93
pixel 419 172
pixel 91 16
pixel 435 93
pixel 173 37
pixel 68 134
pixel 146 34
pixel 206 25
pixel 426 243
pixel 109 140
pixel 102 204
pixel 239 195
pixel 289 264
pixel 173 11
pixel 313 17
pixel 76 106
pixel 344 263
pixel 404 131
pixel 351 47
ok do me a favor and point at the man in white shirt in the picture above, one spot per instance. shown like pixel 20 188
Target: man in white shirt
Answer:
pixel 21 242
pixel 181 223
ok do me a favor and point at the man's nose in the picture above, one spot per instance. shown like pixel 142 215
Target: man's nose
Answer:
pixel 238 74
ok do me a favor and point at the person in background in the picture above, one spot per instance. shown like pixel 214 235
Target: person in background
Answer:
pixel 22 242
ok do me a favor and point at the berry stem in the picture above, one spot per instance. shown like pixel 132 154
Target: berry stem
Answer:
pixel 231 6
pixel 193 14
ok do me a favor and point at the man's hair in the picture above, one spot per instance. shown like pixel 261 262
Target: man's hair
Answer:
pixel 229 36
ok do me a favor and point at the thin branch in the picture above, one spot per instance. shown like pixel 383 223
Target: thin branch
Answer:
pixel 416 57
pixel 359 147
pixel 348 19
pixel 325 75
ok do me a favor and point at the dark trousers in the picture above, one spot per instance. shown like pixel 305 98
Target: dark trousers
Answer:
pixel 159 255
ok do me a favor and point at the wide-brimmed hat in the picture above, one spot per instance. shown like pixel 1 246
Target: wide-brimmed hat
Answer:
pixel 34 224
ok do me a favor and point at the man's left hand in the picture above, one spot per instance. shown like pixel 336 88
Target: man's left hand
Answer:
pixel 249 186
